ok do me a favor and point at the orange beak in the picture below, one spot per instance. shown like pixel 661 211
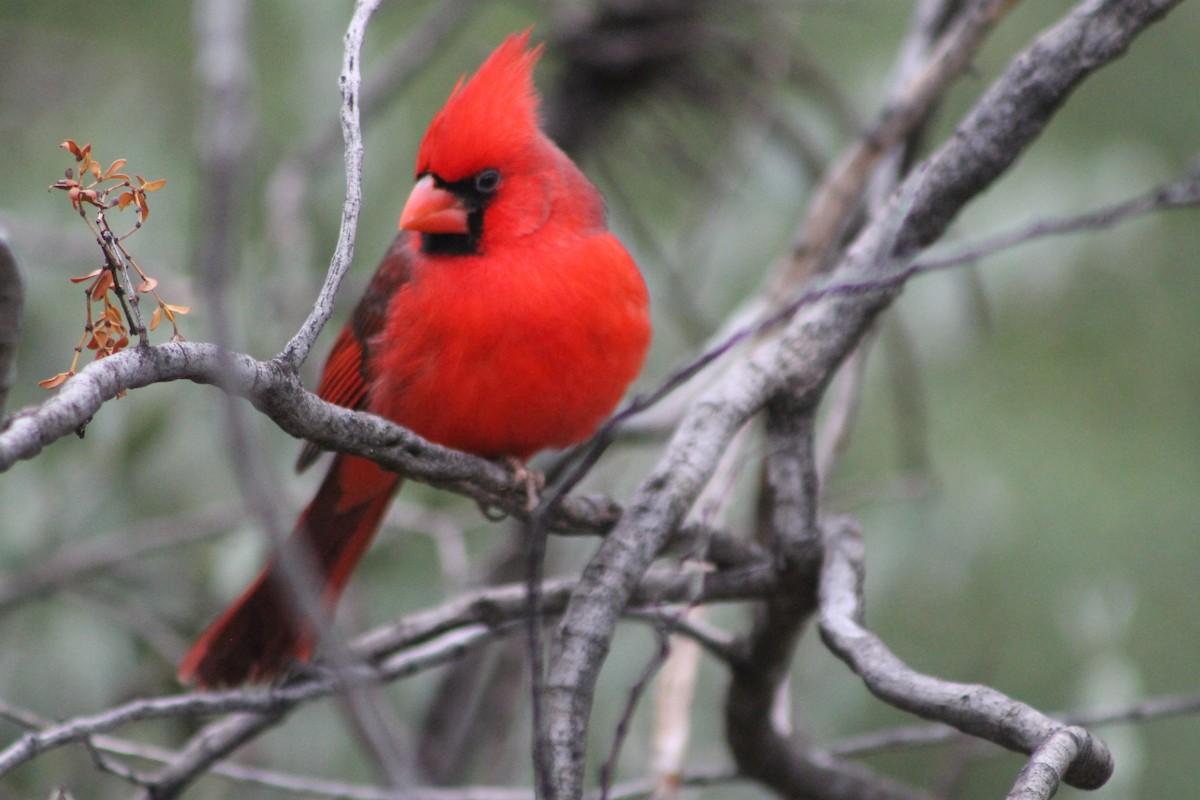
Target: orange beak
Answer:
pixel 433 210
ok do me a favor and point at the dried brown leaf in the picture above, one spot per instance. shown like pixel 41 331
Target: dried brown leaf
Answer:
pixel 170 310
pixel 87 277
pixel 57 380
pixel 103 284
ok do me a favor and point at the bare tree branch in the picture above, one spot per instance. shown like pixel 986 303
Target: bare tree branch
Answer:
pixel 1039 778
pixel 1007 118
pixel 256 705
pixel 761 749
pixel 1181 193
pixel 414 644
pixel 297 350
pixel 277 392
pixel 926 735
pixel 972 708
pixel 1018 106
pixel 223 65
pixel 840 191
pixel 288 189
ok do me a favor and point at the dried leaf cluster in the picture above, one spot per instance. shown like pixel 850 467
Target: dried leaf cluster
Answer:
pixel 111 297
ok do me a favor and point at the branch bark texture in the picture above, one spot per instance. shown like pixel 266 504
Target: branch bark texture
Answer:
pixel 800 361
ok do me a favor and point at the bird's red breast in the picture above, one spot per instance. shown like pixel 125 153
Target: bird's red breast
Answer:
pixel 524 331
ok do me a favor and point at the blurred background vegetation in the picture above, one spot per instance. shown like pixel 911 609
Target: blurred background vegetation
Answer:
pixel 1026 465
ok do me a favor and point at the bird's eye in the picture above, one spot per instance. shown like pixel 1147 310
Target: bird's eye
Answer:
pixel 487 181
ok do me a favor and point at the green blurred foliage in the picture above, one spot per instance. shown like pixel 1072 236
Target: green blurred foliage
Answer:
pixel 1040 532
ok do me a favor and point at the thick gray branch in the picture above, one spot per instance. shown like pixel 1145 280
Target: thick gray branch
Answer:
pixel 1004 122
pixel 762 751
pixel 277 392
pixel 1040 777
pixel 659 505
pixel 1019 105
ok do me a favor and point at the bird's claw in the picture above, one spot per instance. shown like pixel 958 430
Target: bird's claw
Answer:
pixel 533 481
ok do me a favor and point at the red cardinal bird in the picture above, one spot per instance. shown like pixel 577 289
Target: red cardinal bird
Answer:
pixel 504 320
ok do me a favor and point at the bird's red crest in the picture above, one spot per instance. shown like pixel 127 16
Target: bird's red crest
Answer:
pixel 489 120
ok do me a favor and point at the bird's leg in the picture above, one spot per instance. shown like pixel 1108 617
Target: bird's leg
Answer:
pixel 533 480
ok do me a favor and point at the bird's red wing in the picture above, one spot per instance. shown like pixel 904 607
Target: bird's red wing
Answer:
pixel 343 381
pixel 345 375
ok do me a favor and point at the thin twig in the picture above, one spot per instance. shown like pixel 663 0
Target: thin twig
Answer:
pixel 716 642
pixel 911 736
pixel 223 65
pixel 609 768
pixel 289 187
pixel 267 703
pixel 297 350
pixel 1181 193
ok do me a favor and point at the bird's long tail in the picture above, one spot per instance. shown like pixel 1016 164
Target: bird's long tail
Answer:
pixel 260 634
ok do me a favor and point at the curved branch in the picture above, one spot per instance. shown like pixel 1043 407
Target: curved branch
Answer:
pixel 975 709
pixel 761 749
pixel 911 736
pixel 1039 778
pixel 277 392
pixel 289 188
pixel 298 348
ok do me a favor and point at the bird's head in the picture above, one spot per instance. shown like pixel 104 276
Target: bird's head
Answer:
pixel 484 155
